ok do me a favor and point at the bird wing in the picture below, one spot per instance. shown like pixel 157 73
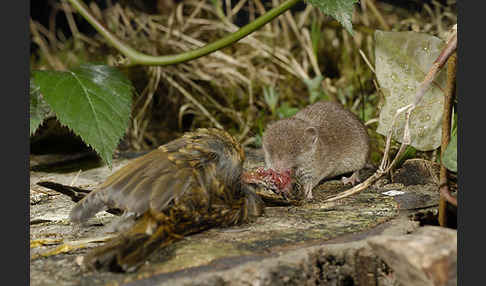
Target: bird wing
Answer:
pixel 181 167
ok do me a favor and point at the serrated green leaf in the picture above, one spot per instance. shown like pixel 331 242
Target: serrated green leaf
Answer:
pixel 341 10
pixel 449 157
pixel 92 100
pixel 38 108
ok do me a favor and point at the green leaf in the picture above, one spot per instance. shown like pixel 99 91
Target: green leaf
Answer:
pixel 315 35
pixel 402 60
pixel 271 97
pixel 315 89
pixel 39 109
pixel 407 154
pixel 341 10
pixel 449 156
pixel 285 110
pixel 258 141
pixel 92 100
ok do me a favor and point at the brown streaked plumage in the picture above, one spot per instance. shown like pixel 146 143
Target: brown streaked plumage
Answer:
pixel 185 186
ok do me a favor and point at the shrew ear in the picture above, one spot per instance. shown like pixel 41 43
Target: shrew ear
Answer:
pixel 311 134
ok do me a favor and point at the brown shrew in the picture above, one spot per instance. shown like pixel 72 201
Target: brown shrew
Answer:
pixel 321 141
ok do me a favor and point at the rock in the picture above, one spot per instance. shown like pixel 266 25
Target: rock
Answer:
pixel 413 196
pixel 417 172
pixel 426 257
pixel 258 248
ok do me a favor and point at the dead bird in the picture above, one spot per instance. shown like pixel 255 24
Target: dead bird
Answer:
pixel 185 186
pixel 321 141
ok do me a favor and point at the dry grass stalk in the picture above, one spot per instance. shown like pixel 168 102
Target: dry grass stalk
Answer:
pixel 225 87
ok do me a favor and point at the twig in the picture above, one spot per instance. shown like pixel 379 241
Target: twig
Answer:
pixel 362 54
pixel 446 129
pixel 358 188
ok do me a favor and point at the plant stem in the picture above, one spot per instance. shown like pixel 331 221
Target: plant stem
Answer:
pixel 446 135
pixel 137 58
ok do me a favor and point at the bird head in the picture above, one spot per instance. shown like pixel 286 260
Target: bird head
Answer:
pixel 281 183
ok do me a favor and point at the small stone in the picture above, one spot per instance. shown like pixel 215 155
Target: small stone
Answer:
pixel 37 198
pixel 393 193
pixel 428 257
